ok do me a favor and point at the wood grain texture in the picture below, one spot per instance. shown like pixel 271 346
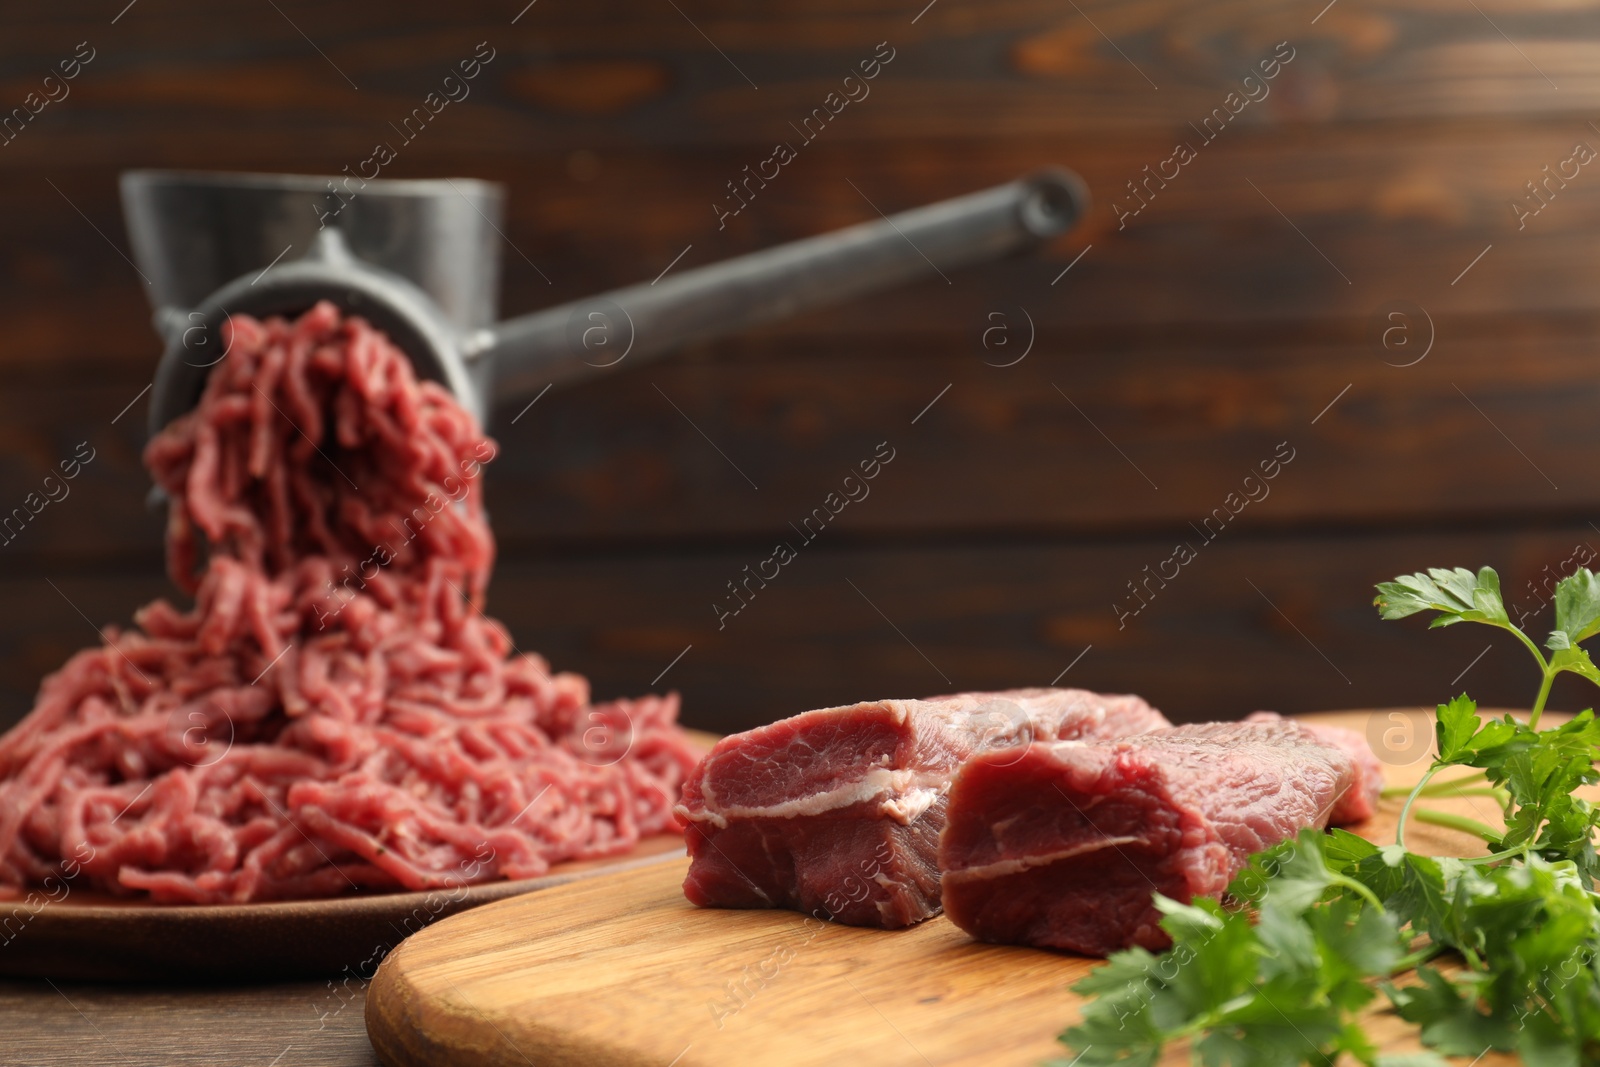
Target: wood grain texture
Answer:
pixel 615 464
pixel 1398 211
pixel 1003 70
pixel 968 613
pixel 1218 322
pixel 627 973
pixel 300 1024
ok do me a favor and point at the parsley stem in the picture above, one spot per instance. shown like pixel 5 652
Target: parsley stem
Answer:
pixel 1209 1020
pixel 1544 694
pixel 1420 956
pixel 1458 822
pixel 1405 812
pixel 1434 789
pixel 1500 795
pixel 1495 857
pixel 1543 665
pixel 1454 785
pixel 1357 888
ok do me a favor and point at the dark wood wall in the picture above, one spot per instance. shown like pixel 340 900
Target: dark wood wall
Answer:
pixel 1244 306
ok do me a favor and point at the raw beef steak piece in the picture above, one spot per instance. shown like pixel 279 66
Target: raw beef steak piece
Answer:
pixel 1065 847
pixel 837 812
pixel 1358 804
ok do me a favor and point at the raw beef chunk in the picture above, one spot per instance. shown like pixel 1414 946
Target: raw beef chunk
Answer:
pixel 837 812
pixel 1361 801
pixel 1065 846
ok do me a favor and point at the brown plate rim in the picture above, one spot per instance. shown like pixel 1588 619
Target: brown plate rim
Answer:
pixel 104 907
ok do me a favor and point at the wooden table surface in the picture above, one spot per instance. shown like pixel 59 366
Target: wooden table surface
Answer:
pixel 299 1024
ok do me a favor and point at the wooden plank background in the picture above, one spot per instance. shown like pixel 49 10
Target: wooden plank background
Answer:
pixel 1243 307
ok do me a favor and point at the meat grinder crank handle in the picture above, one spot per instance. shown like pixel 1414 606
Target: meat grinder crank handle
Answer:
pixel 625 326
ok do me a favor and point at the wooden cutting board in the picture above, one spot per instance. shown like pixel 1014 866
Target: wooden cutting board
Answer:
pixel 622 970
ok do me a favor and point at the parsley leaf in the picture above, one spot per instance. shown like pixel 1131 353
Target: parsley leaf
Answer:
pixel 1541 770
pixel 1463 734
pixel 1535 932
pixel 1274 992
pixel 1577 609
pixel 1458 595
pixel 1449 1016
pixel 1574 659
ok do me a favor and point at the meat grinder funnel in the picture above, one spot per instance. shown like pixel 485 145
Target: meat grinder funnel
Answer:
pixel 194 232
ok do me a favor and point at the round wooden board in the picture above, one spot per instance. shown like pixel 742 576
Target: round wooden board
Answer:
pixel 622 970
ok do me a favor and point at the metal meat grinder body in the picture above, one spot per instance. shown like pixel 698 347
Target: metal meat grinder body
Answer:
pixel 420 261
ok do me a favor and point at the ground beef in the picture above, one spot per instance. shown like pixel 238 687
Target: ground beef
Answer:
pixel 336 712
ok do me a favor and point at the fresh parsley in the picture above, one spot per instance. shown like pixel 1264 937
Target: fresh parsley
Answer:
pixel 1496 952
pixel 1460 596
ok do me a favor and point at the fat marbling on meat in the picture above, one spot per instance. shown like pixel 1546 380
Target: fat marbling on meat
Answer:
pixel 837 812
